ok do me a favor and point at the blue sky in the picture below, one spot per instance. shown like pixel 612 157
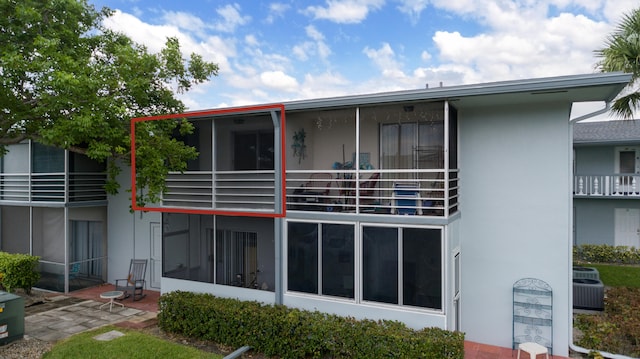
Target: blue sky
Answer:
pixel 285 50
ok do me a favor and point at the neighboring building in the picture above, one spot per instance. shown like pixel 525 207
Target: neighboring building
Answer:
pixel 53 205
pixel 422 206
pixel 607 183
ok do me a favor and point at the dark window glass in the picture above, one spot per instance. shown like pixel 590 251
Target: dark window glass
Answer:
pixel 337 260
pixel 302 267
pixel 47 159
pixel 380 264
pixel 253 151
pixel 421 268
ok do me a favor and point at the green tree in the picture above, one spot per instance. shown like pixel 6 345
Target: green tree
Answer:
pixel 69 82
pixel 622 53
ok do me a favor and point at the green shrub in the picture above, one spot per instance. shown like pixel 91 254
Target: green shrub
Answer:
pixel 293 333
pixel 18 271
pixel 603 253
pixel 617 330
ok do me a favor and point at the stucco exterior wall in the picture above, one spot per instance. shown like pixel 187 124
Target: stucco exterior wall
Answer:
pixel 515 205
pixel 594 160
pixel 129 234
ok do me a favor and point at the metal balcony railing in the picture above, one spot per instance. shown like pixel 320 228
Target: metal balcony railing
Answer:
pixel 393 192
pixel 52 187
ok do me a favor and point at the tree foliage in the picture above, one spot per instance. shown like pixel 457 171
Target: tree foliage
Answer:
pixel 69 82
pixel 622 53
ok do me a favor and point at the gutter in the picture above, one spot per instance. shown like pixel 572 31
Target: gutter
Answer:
pixel 572 345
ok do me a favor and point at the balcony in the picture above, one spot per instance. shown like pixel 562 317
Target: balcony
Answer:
pixel 391 192
pixel 611 186
pixel 52 187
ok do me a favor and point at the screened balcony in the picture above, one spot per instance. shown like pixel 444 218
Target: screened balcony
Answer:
pixel 396 159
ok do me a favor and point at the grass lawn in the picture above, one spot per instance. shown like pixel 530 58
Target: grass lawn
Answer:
pixel 613 275
pixel 133 344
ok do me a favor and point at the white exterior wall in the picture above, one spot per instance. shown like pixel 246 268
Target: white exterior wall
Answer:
pixel 515 205
pixel 129 234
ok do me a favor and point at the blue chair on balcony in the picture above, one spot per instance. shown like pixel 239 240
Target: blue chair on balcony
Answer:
pixel 406 198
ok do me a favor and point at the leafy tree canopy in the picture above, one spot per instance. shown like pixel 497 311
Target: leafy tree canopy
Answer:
pixel 69 82
pixel 622 53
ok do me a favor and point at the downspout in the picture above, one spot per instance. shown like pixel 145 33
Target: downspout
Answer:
pixel 572 345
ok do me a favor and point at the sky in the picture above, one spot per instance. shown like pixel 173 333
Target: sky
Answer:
pixel 270 52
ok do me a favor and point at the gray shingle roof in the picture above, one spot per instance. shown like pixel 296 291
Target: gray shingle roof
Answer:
pixel 619 131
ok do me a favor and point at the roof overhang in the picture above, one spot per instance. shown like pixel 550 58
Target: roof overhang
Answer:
pixel 573 88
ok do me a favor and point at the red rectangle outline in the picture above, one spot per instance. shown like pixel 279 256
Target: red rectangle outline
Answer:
pixel 279 107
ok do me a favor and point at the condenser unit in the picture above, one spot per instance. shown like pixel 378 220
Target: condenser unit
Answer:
pixel 588 294
pixel 585 273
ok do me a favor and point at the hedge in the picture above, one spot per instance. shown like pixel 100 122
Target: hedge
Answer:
pixel 602 253
pixel 18 271
pixel 276 330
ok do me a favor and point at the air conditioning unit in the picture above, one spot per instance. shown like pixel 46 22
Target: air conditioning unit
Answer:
pixel 588 294
pixel 585 273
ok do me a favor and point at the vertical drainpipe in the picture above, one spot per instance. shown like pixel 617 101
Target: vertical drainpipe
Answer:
pixel 357 159
pixel 445 230
pixel 29 184
pixel 278 222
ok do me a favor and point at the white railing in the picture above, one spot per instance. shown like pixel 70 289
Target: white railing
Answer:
pixel 617 185
pixel 395 192
pixel 52 187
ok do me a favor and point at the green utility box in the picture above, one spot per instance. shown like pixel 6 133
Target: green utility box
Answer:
pixel 11 317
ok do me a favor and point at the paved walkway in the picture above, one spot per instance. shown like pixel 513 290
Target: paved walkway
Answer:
pixel 59 323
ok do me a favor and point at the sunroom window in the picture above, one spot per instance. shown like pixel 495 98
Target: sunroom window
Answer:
pixel 401 266
pixel 321 248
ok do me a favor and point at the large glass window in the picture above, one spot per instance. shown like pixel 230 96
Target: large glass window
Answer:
pixel 399 265
pixel 421 268
pixel 337 260
pixel 47 159
pixel 409 256
pixel 321 248
pixel 303 257
pixel 413 145
pixel 237 258
pixel 87 247
pixel 380 264
pixel 253 150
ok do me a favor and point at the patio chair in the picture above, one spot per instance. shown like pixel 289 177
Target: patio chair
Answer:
pixel 367 188
pixel 315 190
pixel 134 283
pixel 406 198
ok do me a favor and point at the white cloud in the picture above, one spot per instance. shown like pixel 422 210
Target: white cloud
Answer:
pixel 276 11
pixel 185 21
pixel 279 80
pixel 425 56
pixel 344 11
pixel 251 40
pixel 413 8
pixel 231 18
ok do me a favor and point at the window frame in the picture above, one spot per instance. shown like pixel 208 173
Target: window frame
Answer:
pixel 359 264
